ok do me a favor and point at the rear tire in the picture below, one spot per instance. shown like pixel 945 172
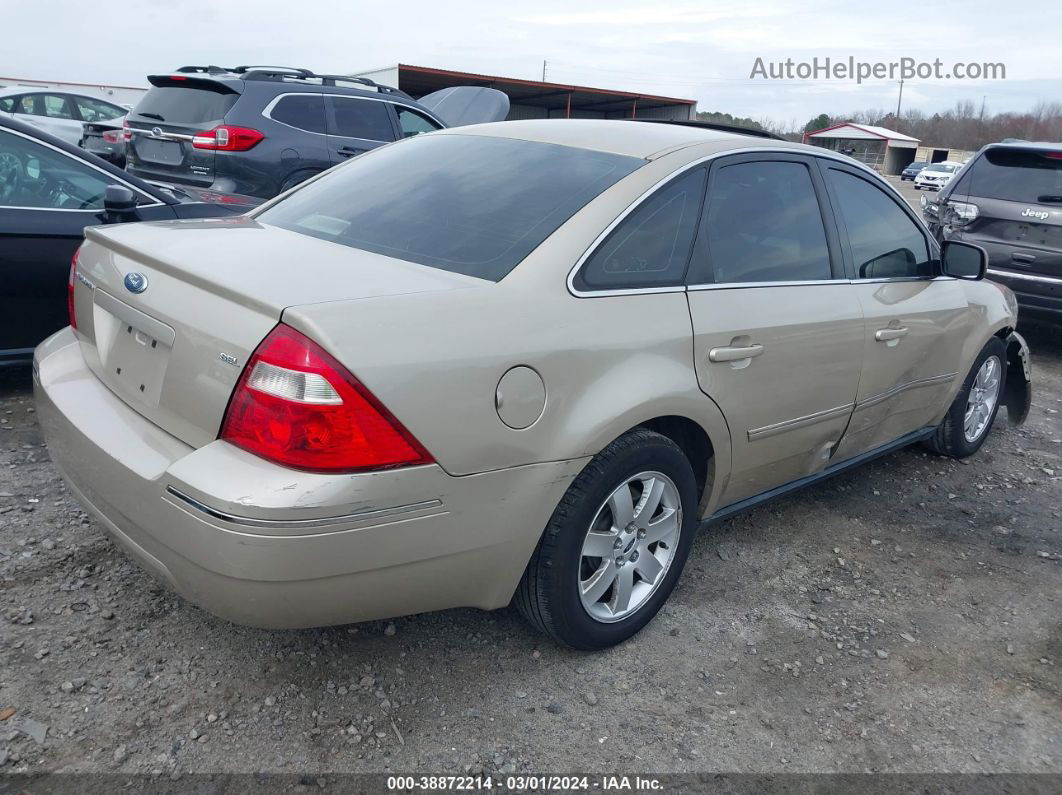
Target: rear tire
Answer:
pixel 643 539
pixel 971 416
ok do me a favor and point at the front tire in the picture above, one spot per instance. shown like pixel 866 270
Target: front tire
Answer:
pixel 615 545
pixel 971 416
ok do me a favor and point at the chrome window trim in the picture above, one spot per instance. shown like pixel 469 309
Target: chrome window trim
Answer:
pixel 1029 277
pixel 114 180
pixel 268 109
pixel 772 150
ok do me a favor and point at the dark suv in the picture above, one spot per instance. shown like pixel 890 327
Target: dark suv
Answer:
pixel 258 130
pixel 1008 199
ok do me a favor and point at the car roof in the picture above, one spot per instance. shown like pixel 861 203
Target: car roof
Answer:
pixel 619 136
pixel 57 143
pixel 1045 146
pixel 6 92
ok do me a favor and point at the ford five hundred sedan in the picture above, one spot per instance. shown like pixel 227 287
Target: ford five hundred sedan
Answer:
pixel 512 363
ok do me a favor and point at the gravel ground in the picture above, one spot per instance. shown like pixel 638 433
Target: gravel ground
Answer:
pixel 903 617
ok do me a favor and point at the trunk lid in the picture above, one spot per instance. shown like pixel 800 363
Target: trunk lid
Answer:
pixel 163 122
pixel 169 313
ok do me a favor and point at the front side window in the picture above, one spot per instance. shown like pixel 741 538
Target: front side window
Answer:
pixel 7 104
pixel 362 118
pixel 469 204
pixel 36 176
pixel 763 224
pixel 651 246
pixel 414 123
pixel 304 111
pixel 97 110
pixel 31 105
pixel 885 242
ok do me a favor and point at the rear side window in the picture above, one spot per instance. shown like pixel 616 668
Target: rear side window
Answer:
pixel 763 224
pixel 1015 175
pixel 469 204
pixel 304 111
pixel 413 123
pixel 362 118
pixel 184 105
pixel 885 242
pixel 651 246
pixel 7 104
pixel 97 110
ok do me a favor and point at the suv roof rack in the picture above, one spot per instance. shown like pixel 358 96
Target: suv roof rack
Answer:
pixel 281 73
pixel 707 125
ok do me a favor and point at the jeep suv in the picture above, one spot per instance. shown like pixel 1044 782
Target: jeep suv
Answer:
pixel 1008 200
pixel 259 130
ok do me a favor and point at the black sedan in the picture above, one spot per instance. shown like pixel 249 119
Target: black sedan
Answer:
pixel 49 192
pixel 912 171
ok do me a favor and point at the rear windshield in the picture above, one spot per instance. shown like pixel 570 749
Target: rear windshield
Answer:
pixel 1016 175
pixel 181 105
pixel 469 204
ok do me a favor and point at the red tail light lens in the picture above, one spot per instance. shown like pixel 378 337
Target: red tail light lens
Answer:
pixel 228 139
pixel 70 290
pixel 297 406
pixel 127 134
pixel 113 136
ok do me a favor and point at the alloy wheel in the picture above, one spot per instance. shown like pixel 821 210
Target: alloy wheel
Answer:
pixel 981 402
pixel 629 546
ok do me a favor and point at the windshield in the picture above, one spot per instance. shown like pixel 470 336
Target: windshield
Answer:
pixel 947 169
pixel 1016 175
pixel 469 204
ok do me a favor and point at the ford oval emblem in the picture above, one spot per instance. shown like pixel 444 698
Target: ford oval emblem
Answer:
pixel 135 282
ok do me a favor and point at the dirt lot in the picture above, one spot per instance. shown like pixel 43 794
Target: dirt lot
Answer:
pixel 904 617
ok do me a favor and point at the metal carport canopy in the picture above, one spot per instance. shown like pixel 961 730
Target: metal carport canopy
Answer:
pixel 420 80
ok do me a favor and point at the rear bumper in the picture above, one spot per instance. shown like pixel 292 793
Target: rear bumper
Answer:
pixel 262 545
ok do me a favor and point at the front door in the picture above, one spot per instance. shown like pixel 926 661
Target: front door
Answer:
pixel 778 330
pixel 916 321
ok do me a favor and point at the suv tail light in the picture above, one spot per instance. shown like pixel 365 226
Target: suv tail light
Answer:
pixel 127 133
pixel 960 213
pixel 297 406
pixel 70 290
pixel 227 138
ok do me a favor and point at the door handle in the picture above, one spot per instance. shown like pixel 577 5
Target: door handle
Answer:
pixel 734 353
pixel 887 334
pixel 347 151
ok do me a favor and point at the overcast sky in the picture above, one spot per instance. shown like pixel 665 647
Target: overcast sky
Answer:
pixel 701 50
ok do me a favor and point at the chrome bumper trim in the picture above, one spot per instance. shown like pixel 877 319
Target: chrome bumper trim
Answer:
pixel 324 521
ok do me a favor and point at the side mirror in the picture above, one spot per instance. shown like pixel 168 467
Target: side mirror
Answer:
pixel 119 202
pixel 963 260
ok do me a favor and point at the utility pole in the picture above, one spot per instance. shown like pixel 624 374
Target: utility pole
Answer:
pixel 899 99
pixel 981 118
pixel 543 70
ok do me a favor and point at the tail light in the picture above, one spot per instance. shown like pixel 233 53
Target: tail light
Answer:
pixel 960 213
pixel 127 133
pixel 113 136
pixel 297 406
pixel 227 138
pixel 70 290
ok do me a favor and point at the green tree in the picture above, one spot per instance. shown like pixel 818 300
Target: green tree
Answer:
pixel 819 122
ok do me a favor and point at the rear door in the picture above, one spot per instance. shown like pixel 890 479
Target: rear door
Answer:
pixel 778 331
pixel 53 113
pixel 1016 195
pixel 915 320
pixel 164 121
pixel 356 125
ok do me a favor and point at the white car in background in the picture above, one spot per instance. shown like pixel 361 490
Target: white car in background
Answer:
pixel 936 175
pixel 57 112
